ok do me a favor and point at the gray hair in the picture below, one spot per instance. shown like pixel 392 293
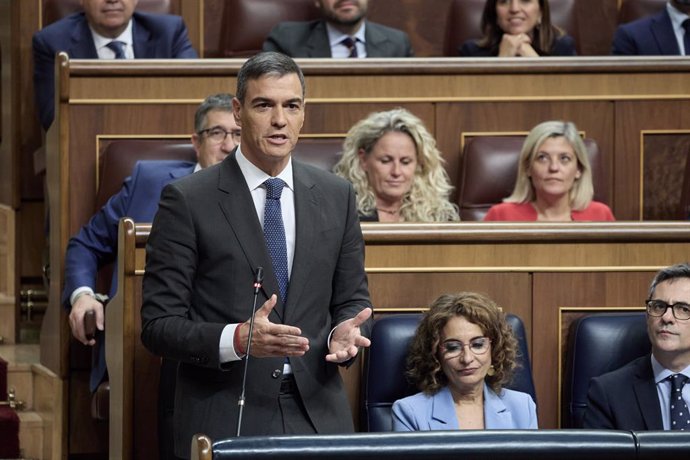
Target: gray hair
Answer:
pixel 267 63
pixel 669 273
pixel 220 101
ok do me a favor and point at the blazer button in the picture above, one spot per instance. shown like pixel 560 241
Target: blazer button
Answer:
pixel 276 373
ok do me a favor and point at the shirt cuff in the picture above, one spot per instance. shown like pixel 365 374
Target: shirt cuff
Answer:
pixel 227 349
pixel 78 292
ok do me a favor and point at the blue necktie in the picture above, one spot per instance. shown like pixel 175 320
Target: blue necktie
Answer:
pixel 274 232
pixel 686 36
pixel 351 44
pixel 117 48
pixel 680 420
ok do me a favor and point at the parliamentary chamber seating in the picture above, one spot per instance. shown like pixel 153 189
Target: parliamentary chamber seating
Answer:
pixel 384 379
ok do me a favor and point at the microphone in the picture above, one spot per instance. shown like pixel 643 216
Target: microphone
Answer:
pixel 258 280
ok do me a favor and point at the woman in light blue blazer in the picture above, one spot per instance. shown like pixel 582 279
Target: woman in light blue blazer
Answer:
pixel 460 358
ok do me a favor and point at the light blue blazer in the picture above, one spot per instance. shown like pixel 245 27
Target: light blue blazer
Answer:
pixel 421 412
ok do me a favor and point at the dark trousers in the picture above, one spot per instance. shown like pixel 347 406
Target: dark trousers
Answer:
pixel 293 417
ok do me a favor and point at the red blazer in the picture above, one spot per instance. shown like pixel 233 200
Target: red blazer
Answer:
pixel 596 211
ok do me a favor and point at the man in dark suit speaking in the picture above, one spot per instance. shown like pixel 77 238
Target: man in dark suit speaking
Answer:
pixel 258 208
pixel 651 392
pixel 107 29
pixel 343 32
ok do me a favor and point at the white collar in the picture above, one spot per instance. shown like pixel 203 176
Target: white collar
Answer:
pixel 335 37
pixel 125 37
pixel 255 177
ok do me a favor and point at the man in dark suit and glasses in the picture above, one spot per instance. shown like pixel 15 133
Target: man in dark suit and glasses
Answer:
pixel 213 229
pixel 343 32
pixel 651 393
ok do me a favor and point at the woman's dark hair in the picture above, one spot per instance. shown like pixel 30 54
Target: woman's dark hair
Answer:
pixel 543 36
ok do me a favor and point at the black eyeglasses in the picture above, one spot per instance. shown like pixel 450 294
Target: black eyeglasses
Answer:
pixel 218 134
pixel 680 310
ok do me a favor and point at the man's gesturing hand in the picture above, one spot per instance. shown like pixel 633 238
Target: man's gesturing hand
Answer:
pixel 347 339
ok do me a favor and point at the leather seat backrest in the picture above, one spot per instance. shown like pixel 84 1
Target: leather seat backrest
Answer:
pixel 465 16
pixel 598 344
pixel 58 9
pixel 248 22
pixel 119 157
pixel 631 10
pixel 322 153
pixel 488 170
pixel 384 379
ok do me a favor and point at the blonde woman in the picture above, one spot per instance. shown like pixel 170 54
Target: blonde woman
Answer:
pixel 396 170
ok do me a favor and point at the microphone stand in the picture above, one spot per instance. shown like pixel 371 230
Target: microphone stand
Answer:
pixel 258 279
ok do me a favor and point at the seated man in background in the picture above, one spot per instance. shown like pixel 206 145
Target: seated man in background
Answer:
pixel 664 33
pixel 650 393
pixel 343 32
pixel 215 135
pixel 107 29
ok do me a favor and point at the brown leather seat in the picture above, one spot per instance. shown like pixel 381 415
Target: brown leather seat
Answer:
pixel 488 170
pixel 58 9
pixel 631 10
pixel 322 153
pixel 465 17
pixel 248 22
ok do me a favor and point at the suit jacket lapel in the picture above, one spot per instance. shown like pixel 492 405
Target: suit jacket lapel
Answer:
pixel 82 46
pixel 239 211
pixel 646 394
pixel 443 415
pixel 496 414
pixel 376 42
pixel 307 220
pixel 317 44
pixel 662 30
pixel 143 46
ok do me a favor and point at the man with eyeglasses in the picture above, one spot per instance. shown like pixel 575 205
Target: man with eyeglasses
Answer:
pixel 216 135
pixel 651 393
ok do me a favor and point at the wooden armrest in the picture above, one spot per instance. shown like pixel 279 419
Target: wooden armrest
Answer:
pixel 90 324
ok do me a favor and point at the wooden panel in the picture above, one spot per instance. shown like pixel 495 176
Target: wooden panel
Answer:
pixel 634 121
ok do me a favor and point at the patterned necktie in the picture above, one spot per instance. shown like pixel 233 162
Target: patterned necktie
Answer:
pixel 274 232
pixel 686 36
pixel 680 419
pixel 117 48
pixel 351 44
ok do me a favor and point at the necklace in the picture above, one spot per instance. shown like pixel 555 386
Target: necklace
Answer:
pixel 388 211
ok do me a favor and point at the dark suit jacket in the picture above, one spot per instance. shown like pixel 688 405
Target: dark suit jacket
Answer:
pixel 96 243
pixel 649 36
pixel 625 399
pixel 154 36
pixel 205 245
pixel 310 40
pixel 562 46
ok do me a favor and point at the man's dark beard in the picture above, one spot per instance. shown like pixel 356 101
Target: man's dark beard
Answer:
pixel 332 18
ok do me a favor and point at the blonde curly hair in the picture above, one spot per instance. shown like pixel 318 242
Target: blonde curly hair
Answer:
pixel 427 200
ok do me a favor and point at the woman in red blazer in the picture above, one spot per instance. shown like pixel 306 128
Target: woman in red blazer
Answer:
pixel 554 181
